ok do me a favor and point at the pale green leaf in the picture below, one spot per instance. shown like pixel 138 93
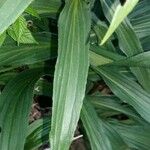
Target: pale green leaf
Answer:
pixel 10 10
pixel 2 38
pixel 98 60
pixel 120 13
pixel 20 33
pixel 71 72
pixel 100 29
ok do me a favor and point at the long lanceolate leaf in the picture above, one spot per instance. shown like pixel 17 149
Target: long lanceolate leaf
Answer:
pixel 140 19
pixel 136 136
pixel 111 103
pixel 121 12
pixel 129 43
pixel 140 60
pixel 128 91
pixel 44 9
pixel 17 56
pixel 71 72
pixel 100 134
pixel 15 103
pixel 38 134
pixel 10 11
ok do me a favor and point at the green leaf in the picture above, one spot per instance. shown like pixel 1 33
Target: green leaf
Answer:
pixel 105 53
pixel 136 136
pixel 38 134
pixel 32 12
pixel 140 19
pixel 100 56
pixel 145 43
pixel 120 13
pixel 2 38
pixel 128 43
pixel 15 103
pixel 27 54
pixel 98 60
pixel 6 77
pixel 100 134
pixel 20 33
pixel 112 103
pixel 100 29
pixel 10 10
pixel 140 60
pixel 127 90
pixel 71 72
pixel 43 9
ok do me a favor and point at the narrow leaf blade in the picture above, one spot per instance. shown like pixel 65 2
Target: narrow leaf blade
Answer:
pixel 15 103
pixel 120 13
pixel 10 10
pixel 71 72
pixel 127 90
pixel 100 134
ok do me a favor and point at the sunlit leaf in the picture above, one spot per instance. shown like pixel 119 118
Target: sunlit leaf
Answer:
pixel 20 33
pixel 70 73
pixel 10 10
pixel 120 13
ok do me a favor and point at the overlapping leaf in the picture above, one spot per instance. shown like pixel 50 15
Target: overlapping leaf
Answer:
pixel 111 103
pixel 15 103
pixel 10 10
pixel 121 12
pixel 20 33
pixel 140 60
pixel 2 38
pixel 136 136
pixel 127 90
pixel 15 56
pixel 128 42
pixel 100 29
pixel 140 19
pixel 101 135
pixel 71 72
pixel 44 9
pixel 38 134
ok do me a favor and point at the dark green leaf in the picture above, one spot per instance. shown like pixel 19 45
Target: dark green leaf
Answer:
pixel 15 104
pixel 127 90
pixel 100 134
pixel 38 134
